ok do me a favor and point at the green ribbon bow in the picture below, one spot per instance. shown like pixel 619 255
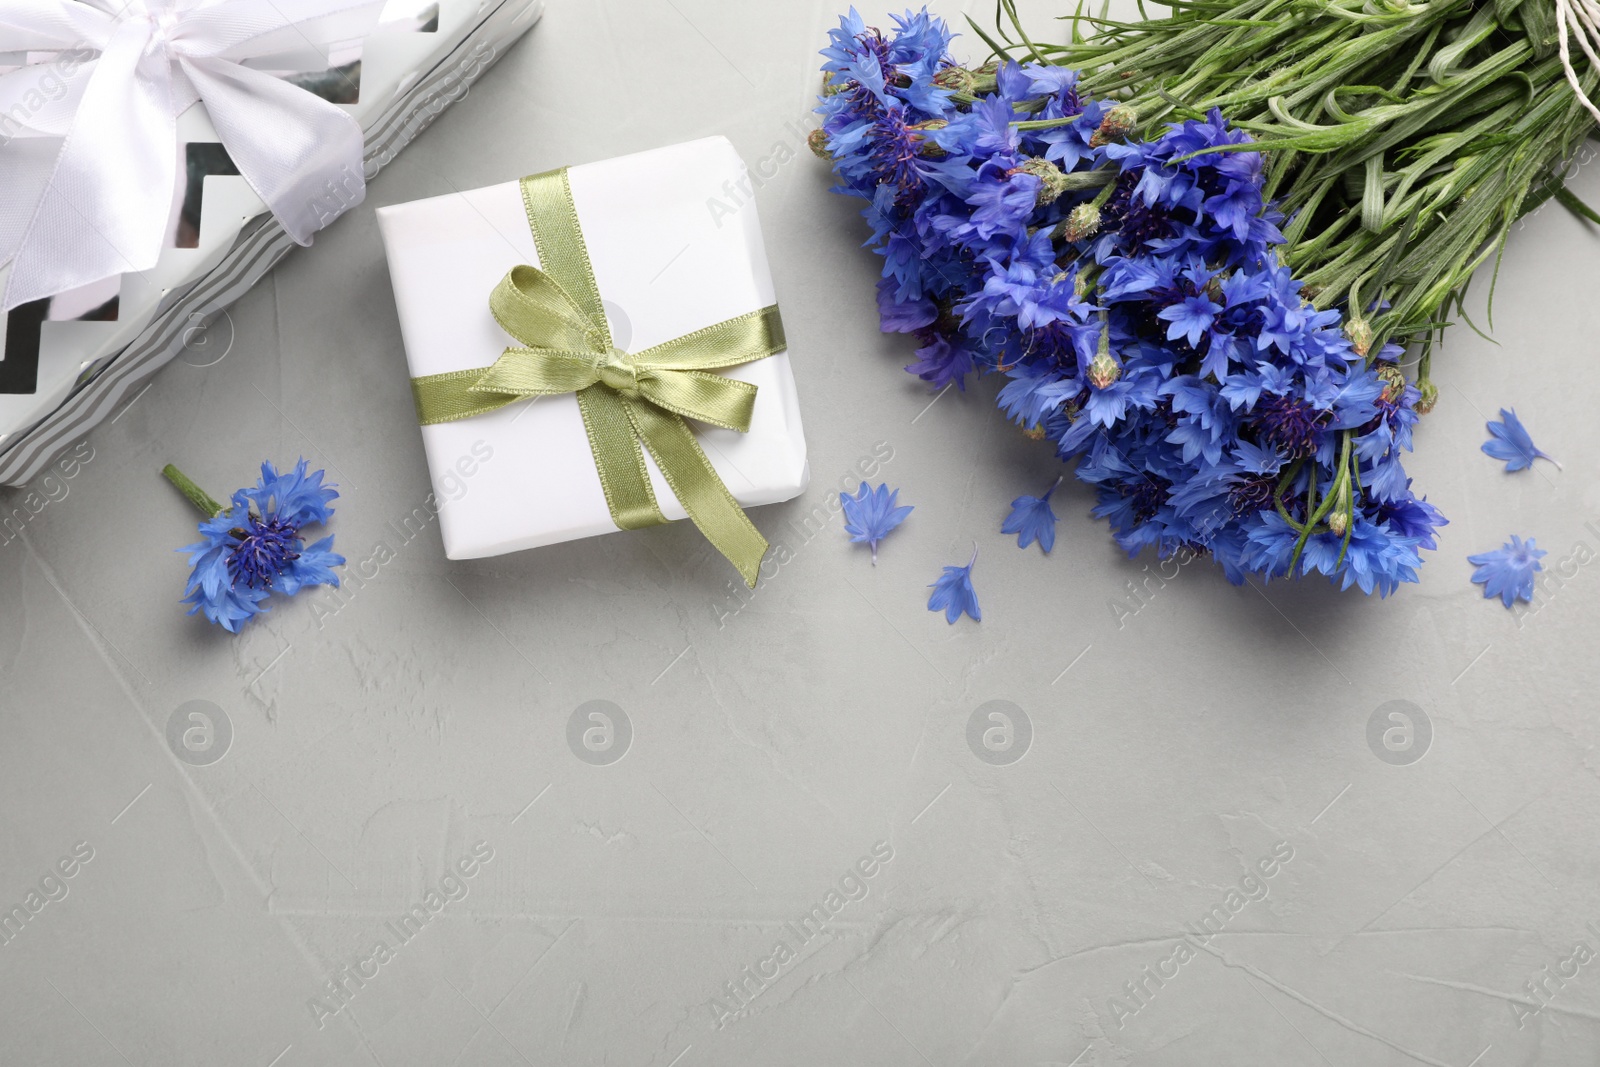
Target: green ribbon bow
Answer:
pixel 626 398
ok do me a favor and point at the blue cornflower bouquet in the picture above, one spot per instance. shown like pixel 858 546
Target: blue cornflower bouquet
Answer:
pixel 1133 283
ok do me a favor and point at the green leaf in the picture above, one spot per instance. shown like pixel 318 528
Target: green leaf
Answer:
pixel 1392 260
pixel 1570 201
pixel 1503 9
pixel 1541 27
pixel 995 48
pixel 1010 8
pixel 1372 196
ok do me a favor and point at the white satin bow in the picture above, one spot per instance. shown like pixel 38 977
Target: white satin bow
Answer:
pixel 89 135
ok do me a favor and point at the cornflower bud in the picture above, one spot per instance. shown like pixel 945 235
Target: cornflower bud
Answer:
pixel 1430 396
pixel 1052 183
pixel 1359 331
pixel 817 141
pixel 1103 369
pixel 1339 517
pixel 959 79
pixel 1114 126
pixel 1394 381
pixel 1083 221
pixel 926 147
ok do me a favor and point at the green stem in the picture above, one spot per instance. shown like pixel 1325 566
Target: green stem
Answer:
pixel 1099 178
pixel 1283 487
pixel 1349 525
pixel 1104 194
pixel 1341 485
pixel 1044 124
pixel 196 495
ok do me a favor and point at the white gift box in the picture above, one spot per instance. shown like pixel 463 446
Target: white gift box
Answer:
pixel 665 265
pixel 84 366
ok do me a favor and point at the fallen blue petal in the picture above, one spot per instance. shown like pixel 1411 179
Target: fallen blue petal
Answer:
pixel 872 513
pixel 953 592
pixel 1509 441
pixel 1032 520
pixel 1508 571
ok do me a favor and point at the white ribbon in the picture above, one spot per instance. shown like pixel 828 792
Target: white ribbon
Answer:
pixel 89 134
pixel 1583 19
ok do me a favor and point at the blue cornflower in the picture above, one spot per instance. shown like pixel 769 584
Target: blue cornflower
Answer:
pixel 953 592
pixel 903 316
pixel 1190 318
pixel 872 513
pixel 1001 207
pixel 1034 393
pixel 1509 440
pixel 1047 80
pixel 1413 517
pixel 1508 571
pixel 993 130
pixel 252 547
pixel 1032 520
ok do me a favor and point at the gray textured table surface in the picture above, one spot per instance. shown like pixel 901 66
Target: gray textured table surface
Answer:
pixel 1031 913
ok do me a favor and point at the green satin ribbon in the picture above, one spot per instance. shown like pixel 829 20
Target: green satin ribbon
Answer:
pixel 626 398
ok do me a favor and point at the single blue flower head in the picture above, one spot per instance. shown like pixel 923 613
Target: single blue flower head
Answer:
pixel 1032 520
pixel 1508 571
pixel 253 547
pixel 871 514
pixel 1509 440
pixel 953 592
pixel 1190 318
